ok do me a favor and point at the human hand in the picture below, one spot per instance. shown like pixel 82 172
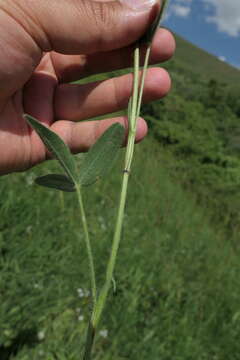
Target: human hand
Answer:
pixel 45 45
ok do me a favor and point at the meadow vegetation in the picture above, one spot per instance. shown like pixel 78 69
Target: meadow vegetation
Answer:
pixel 177 276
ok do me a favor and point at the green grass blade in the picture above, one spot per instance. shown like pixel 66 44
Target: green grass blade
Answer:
pixel 56 146
pixel 56 181
pixel 148 36
pixel 100 158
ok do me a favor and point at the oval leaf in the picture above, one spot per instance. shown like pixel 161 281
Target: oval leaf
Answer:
pixel 148 36
pixel 100 158
pixel 56 146
pixel 56 181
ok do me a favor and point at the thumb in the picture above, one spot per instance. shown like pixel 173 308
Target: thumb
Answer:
pixel 84 26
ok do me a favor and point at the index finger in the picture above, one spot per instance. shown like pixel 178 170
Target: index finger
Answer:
pixel 74 67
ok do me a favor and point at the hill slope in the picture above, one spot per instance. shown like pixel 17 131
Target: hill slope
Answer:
pixel 201 62
pixel 177 294
pixel 177 275
pixel 199 124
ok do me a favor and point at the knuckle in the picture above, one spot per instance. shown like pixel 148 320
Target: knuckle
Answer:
pixel 102 14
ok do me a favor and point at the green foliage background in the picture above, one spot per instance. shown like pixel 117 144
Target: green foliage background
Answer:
pixel 177 276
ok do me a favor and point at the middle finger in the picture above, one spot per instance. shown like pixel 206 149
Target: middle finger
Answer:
pixel 77 102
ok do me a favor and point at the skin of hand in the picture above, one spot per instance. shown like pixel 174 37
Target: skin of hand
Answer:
pixel 45 45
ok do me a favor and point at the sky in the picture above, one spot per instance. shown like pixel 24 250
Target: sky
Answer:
pixel 213 25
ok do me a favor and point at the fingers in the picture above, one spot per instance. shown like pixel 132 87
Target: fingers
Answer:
pixel 70 68
pixel 81 136
pixel 77 102
pixel 82 26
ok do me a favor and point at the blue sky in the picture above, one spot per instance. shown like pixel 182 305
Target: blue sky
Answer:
pixel 213 25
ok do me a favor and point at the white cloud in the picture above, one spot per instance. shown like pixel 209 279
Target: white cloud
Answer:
pixel 222 58
pixel 180 10
pixel 226 15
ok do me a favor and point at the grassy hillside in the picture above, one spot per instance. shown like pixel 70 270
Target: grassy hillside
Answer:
pixel 177 277
pixel 198 123
pixel 199 61
pixel 176 295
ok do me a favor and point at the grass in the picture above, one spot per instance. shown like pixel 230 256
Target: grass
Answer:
pixel 177 293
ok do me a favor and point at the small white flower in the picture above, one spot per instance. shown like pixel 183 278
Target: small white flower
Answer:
pixel 83 293
pixel 36 286
pixel 80 318
pixel 41 335
pixel 80 292
pixel 103 333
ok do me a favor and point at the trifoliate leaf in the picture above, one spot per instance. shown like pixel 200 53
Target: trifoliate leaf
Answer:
pixel 100 158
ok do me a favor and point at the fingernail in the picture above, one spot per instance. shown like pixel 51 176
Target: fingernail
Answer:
pixel 139 5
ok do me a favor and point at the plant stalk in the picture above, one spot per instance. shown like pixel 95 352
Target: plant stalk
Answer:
pixel 101 301
pixel 144 73
pixel 133 114
pixel 123 195
pixel 88 246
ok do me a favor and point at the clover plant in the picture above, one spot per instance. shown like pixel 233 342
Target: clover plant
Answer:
pixel 96 163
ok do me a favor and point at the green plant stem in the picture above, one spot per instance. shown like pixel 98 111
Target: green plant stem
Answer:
pixel 88 245
pixel 98 309
pixel 144 73
pixel 96 315
pixel 133 114
pixel 123 195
